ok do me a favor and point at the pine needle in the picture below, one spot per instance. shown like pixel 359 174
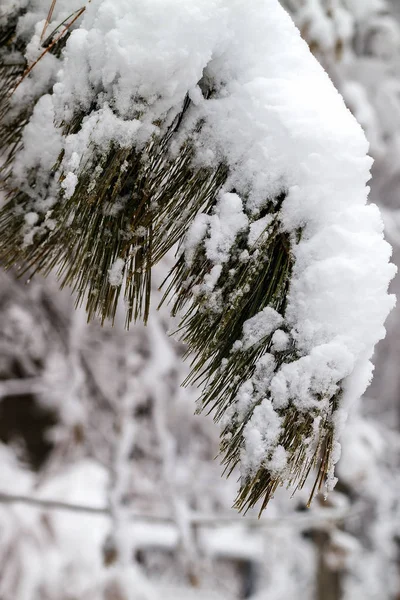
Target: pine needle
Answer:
pixel 48 19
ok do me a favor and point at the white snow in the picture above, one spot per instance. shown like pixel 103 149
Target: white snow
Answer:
pixel 116 273
pixel 280 340
pixel 69 184
pixel 260 326
pixel 197 233
pixel 257 229
pixel 224 226
pixel 262 435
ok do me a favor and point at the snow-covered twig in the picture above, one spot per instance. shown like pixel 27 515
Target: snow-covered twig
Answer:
pixel 300 521
pixel 20 387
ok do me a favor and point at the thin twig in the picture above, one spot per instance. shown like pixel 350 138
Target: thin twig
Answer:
pixel 21 387
pixel 48 19
pixel 50 46
pixel 51 504
pixel 307 520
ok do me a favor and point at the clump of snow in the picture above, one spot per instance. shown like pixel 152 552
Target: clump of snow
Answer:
pixel 31 218
pixel 260 326
pixel 211 279
pixel 278 461
pixel 262 435
pixel 40 127
pixel 69 184
pixel 99 130
pixel 257 228
pixel 224 226
pixel 280 340
pixel 318 373
pixel 219 230
pixel 116 273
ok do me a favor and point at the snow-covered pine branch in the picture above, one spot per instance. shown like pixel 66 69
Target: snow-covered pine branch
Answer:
pixel 212 126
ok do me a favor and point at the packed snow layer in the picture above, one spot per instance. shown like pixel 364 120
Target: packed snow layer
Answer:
pixel 278 123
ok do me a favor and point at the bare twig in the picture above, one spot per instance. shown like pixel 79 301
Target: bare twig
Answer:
pixel 307 520
pixel 50 504
pixel 20 387
pixel 50 46
pixel 48 19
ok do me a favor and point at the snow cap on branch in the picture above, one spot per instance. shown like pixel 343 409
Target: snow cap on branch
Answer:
pixel 212 122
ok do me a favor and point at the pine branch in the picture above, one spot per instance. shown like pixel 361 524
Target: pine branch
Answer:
pixel 245 288
pixel 12 65
pixel 134 176
pixel 127 205
pixel 13 71
pixel 135 206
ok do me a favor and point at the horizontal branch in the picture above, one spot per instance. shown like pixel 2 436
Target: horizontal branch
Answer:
pixel 51 504
pixel 21 387
pixel 306 520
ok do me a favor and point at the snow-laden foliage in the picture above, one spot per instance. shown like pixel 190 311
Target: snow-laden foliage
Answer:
pixel 50 358
pixel 214 127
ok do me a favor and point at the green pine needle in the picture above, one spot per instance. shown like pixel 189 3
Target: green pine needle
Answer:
pixel 135 205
